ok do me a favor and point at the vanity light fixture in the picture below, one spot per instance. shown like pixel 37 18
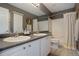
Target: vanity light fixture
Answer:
pixel 36 4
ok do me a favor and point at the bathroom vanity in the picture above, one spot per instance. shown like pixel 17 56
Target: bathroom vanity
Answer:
pixel 14 23
pixel 37 45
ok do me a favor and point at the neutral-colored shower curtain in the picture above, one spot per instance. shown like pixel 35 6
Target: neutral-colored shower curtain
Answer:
pixel 77 29
pixel 50 25
pixel 69 22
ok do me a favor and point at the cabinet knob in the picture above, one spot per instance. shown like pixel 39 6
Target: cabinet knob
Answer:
pixel 29 45
pixel 24 48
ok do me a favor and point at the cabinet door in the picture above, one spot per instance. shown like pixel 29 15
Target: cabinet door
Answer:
pixel 16 51
pixel 34 48
pixel 22 51
pixel 45 46
pixel 48 44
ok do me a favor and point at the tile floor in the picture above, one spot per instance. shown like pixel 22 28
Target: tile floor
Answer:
pixel 61 51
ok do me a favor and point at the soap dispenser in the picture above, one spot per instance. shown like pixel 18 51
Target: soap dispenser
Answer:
pixel 25 31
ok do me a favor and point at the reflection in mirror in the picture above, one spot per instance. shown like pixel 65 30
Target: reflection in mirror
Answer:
pixel 17 22
pixel 4 21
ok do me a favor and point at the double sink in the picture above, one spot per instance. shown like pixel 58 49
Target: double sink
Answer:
pixel 21 38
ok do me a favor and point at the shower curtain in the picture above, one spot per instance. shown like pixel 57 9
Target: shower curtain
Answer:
pixel 50 25
pixel 77 29
pixel 69 36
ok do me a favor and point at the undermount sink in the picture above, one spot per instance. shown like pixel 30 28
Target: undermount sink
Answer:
pixel 17 39
pixel 39 34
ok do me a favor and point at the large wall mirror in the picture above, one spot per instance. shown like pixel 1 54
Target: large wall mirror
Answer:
pixel 35 25
pixel 4 21
pixel 17 22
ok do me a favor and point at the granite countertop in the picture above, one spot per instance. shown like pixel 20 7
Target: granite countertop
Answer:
pixel 6 45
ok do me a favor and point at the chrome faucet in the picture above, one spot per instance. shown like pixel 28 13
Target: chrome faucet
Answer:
pixel 16 34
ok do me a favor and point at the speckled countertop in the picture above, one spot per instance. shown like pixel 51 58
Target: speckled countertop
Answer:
pixel 5 45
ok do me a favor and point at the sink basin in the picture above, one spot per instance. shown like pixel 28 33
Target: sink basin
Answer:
pixel 39 34
pixel 17 39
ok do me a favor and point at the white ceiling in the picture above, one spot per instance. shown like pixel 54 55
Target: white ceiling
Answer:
pixel 29 8
pixel 55 7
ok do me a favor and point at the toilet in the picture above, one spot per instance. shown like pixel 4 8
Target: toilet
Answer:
pixel 55 43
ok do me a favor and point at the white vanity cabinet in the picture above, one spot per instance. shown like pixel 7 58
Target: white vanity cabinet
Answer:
pixel 27 49
pixel 45 46
pixel 39 47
